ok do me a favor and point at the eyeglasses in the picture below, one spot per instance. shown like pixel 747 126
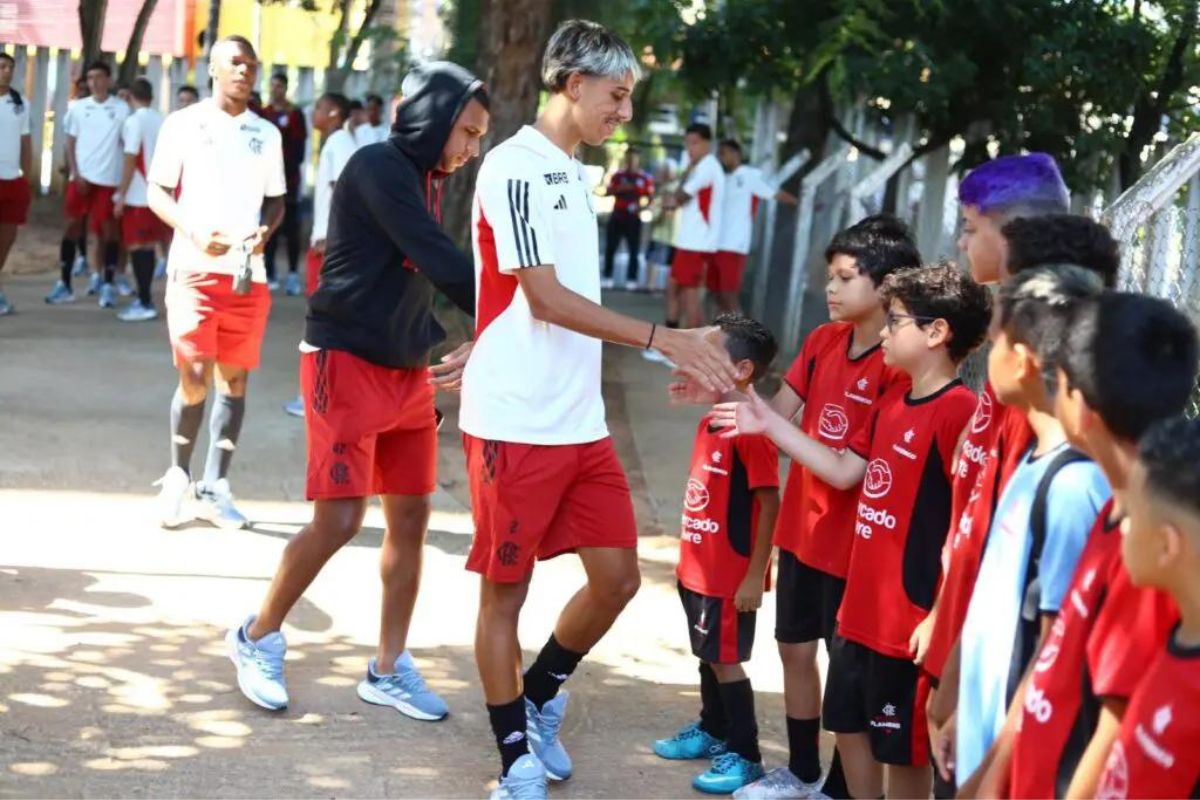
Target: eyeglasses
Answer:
pixel 892 320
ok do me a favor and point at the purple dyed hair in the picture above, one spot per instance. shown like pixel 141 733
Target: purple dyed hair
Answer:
pixel 1031 184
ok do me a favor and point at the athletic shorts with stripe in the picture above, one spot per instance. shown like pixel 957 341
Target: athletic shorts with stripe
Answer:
pixel 533 502
pixel 883 697
pixel 720 634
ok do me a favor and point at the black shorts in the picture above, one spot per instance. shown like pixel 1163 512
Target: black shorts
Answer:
pixel 720 633
pixel 806 601
pixel 884 697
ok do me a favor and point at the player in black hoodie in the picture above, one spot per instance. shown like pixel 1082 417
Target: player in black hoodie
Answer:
pixel 367 383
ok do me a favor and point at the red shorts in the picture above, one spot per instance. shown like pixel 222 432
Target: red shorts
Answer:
pixel 687 268
pixel 371 429
pixel 14 201
pixel 96 205
pixel 208 321
pixel 538 501
pixel 141 227
pixel 725 271
pixel 312 271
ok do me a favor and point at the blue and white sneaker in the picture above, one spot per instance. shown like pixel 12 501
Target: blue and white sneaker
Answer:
pixel 259 666
pixel 403 690
pixel 123 287
pixel 690 742
pixel 160 269
pixel 780 784
pixel 292 286
pixel 526 780
pixel 95 282
pixel 60 295
pixel 728 773
pixel 295 407
pixel 543 731
pixel 80 266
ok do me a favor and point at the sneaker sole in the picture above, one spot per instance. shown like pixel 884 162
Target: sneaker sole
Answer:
pixel 223 524
pixel 369 694
pixel 231 651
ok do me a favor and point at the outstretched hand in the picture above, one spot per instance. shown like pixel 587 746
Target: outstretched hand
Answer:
pixel 687 392
pixel 697 357
pixel 447 374
pixel 742 417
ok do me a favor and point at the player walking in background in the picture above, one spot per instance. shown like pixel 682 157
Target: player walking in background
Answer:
pixel 631 189
pixel 290 122
pixel 16 161
pixel 141 230
pixel 700 201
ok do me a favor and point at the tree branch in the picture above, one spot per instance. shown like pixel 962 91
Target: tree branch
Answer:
pixel 129 64
pixel 361 34
pixel 826 100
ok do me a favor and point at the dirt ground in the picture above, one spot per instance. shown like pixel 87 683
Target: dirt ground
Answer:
pixel 113 680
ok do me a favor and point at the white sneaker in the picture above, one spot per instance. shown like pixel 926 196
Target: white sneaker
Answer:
pixel 632 286
pixel 80 266
pixel 173 496
pixel 216 506
pixel 123 287
pixel 259 666
pixel 136 312
pixel 606 284
pixel 779 784
pixel 273 286
pixel 108 296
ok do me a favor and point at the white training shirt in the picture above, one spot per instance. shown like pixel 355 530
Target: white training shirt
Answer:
pixel 334 155
pixel 700 218
pixel 139 134
pixel 744 187
pixel 224 166
pixel 97 131
pixel 528 381
pixel 367 133
pixel 14 123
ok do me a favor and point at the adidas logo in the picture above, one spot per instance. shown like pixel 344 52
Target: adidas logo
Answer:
pixel 514 737
pixel 561 205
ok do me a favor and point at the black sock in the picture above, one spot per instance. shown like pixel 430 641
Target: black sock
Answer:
pixel 738 698
pixel 553 666
pixel 112 252
pixel 712 707
pixel 835 782
pixel 66 260
pixel 185 426
pixel 224 427
pixel 804 740
pixel 508 725
pixel 143 273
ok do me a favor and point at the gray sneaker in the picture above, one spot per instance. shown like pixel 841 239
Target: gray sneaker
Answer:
pixel 108 296
pixel 123 287
pixel 216 505
pixel 94 283
pixel 403 690
pixel 543 731
pixel 779 784
pixel 60 295
pixel 175 490
pixel 526 780
pixel 136 312
pixel 6 307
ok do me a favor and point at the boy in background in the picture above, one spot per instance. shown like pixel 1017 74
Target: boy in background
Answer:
pixel 1157 753
pixel 729 511
pixel 902 458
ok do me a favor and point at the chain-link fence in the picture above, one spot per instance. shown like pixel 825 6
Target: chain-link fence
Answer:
pixel 1157 223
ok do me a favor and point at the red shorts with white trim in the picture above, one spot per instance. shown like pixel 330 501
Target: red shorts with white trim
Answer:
pixel 687 267
pixel 371 429
pixel 141 227
pixel 312 270
pixel 15 198
pixel 720 633
pixel 533 502
pixel 208 321
pixel 883 697
pixel 96 204
pixel 725 271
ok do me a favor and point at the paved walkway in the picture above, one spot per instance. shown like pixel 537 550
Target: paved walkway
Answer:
pixel 112 675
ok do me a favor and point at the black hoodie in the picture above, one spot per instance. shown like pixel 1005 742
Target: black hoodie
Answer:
pixel 385 252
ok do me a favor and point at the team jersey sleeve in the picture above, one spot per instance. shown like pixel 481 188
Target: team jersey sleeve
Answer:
pixel 167 164
pixel 1132 622
pixel 276 180
pixel 860 443
pixel 131 136
pixel 25 128
pixel 515 210
pixel 761 459
pixel 700 178
pixel 1077 493
pixel 953 421
pixel 800 373
pixel 759 187
pixel 71 122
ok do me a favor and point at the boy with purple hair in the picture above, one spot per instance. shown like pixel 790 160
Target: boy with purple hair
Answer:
pixel 991 195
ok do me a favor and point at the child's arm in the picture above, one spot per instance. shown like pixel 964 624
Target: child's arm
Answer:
pixel 841 470
pixel 750 592
pixel 1108 727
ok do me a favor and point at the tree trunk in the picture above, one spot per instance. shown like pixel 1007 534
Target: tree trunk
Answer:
pixel 341 59
pixel 210 30
pixel 512 36
pixel 91 28
pixel 129 64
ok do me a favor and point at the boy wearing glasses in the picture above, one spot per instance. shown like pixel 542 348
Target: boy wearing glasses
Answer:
pixel 902 461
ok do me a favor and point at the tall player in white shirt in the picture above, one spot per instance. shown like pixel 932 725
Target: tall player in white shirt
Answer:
pixel 701 202
pixel 16 158
pixel 141 230
pixel 231 164
pixel 337 145
pixel 545 478
pixel 744 187
pixel 94 158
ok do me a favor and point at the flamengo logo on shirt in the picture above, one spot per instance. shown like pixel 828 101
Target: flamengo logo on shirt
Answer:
pixel 1153 750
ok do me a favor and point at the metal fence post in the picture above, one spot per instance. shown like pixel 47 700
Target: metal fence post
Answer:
pixel 763 271
pixel 62 91
pixel 931 215
pixel 798 279
pixel 856 205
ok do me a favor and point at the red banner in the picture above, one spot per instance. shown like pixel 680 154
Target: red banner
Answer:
pixel 55 23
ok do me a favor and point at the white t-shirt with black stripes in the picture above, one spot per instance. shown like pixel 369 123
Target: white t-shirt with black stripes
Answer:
pixel 527 381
